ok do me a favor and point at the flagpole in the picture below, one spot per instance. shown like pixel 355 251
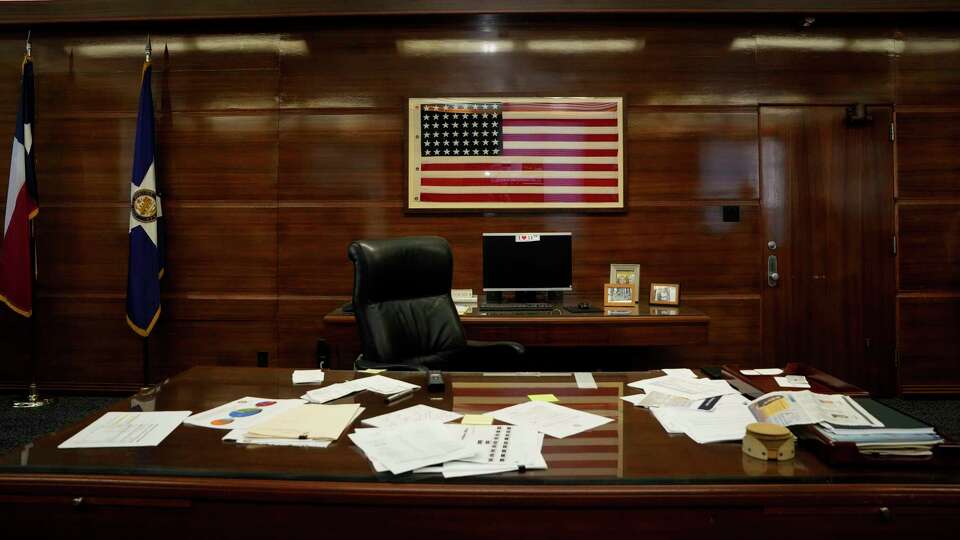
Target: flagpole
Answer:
pixel 33 397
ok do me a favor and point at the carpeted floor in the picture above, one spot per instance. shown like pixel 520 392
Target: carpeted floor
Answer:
pixel 20 426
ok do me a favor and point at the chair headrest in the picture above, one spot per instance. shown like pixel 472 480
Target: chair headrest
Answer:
pixel 400 268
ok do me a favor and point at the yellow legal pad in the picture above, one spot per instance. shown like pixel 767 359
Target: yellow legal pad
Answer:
pixel 477 419
pixel 543 397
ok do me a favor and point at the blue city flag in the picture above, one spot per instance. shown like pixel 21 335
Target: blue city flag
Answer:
pixel 145 266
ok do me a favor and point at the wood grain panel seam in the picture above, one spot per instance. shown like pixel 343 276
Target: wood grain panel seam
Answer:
pixel 694 203
pixel 926 295
pixel 942 201
pixel 731 297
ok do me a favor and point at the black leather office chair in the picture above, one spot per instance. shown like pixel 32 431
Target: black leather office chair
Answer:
pixel 406 317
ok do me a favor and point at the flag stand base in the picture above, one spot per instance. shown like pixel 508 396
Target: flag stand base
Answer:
pixel 33 400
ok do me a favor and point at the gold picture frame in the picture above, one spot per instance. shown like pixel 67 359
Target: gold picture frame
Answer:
pixel 617 294
pixel 628 274
pixel 665 294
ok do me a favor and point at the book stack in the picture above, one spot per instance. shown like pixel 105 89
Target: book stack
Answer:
pixel 901 435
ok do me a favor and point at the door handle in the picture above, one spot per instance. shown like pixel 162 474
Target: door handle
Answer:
pixel 772 275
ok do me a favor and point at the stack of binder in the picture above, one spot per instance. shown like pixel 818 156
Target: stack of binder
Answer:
pixel 901 435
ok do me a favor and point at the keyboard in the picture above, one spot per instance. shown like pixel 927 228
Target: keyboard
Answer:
pixel 525 306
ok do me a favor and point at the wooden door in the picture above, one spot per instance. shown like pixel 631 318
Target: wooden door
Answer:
pixel 827 203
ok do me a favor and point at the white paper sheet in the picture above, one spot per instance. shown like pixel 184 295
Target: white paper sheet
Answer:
pixel 328 393
pixel 308 376
pixel 727 422
pixel 660 399
pixel 792 381
pixel 127 429
pixel 680 372
pixel 554 420
pixel 685 387
pixel 381 385
pixel 242 413
pixel 239 436
pixel 585 380
pixel 417 413
pixel 499 449
pixel 411 446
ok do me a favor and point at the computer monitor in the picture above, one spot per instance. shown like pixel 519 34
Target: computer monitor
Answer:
pixel 527 262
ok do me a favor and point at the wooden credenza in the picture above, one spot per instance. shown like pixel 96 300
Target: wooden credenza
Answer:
pixel 643 326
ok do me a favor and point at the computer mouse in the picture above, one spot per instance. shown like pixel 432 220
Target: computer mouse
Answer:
pixel 583 305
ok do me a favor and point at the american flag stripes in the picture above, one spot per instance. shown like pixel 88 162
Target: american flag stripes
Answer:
pixel 529 153
pixel 596 453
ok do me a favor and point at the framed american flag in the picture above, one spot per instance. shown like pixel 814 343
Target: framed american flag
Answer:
pixel 524 153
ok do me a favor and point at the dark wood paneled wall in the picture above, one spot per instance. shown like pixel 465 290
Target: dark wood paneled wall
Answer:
pixel 281 142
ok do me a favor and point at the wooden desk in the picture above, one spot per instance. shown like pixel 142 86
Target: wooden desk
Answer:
pixel 643 327
pixel 620 480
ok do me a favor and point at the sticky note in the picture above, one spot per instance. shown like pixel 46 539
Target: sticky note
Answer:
pixel 371 371
pixel 543 397
pixel 477 419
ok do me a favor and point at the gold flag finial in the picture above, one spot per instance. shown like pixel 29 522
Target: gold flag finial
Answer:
pixel 147 50
pixel 29 46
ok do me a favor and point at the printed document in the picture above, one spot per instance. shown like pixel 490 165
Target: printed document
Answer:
pixel 123 429
pixel 308 376
pixel 499 449
pixel 727 422
pixel 554 420
pixel 411 446
pixel 685 386
pixel 242 413
pixel 805 407
pixel 417 413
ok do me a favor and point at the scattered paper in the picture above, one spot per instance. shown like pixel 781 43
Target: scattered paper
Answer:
pixel 308 376
pixel 804 407
pixel 127 429
pixel 727 421
pixel 477 419
pixel 693 389
pixel 499 449
pixel 239 436
pixel 377 384
pixel 659 399
pixel 585 380
pixel 680 372
pixel 762 371
pixel 371 371
pixel 242 413
pixel 554 420
pixel 792 381
pixel 328 393
pixel 411 446
pixel 417 413
pixel 550 398
pixel 381 385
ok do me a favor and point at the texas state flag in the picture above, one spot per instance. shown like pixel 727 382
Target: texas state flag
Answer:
pixel 146 233
pixel 16 255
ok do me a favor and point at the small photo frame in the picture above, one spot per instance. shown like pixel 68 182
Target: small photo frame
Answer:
pixel 617 294
pixel 665 294
pixel 626 274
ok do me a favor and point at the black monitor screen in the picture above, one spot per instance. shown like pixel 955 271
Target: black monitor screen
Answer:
pixel 527 262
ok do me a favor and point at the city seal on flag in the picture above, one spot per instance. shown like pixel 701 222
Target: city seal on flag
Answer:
pixel 144 205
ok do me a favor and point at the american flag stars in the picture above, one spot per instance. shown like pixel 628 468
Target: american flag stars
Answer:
pixel 463 129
